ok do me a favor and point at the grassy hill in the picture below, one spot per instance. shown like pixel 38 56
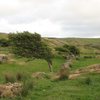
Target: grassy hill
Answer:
pixel 85 87
pixel 86 45
pixel 3 35
pixel 46 89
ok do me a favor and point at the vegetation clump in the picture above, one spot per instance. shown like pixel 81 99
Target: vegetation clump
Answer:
pixel 68 51
pixel 31 46
pixel 16 85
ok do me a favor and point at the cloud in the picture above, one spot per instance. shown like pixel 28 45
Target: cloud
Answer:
pixel 53 18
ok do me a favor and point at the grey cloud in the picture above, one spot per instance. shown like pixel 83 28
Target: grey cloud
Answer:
pixel 69 18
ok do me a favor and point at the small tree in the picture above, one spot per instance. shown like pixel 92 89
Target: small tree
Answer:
pixel 68 51
pixel 29 45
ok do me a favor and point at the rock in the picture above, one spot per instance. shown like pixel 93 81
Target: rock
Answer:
pixel 39 75
pixel 10 90
pixel 7 93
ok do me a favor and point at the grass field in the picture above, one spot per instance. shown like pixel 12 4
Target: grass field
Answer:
pixel 46 89
pixel 20 65
pixel 85 87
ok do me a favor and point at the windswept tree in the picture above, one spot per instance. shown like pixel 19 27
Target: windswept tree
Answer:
pixel 25 44
pixel 68 51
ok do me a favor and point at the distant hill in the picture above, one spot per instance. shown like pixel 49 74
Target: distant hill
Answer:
pixel 86 45
pixel 3 35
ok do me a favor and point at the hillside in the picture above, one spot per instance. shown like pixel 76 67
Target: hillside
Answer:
pixel 3 35
pixel 83 82
pixel 86 45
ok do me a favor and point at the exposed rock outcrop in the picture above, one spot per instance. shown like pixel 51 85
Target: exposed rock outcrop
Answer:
pixel 10 90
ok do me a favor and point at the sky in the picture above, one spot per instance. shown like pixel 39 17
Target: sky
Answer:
pixel 51 18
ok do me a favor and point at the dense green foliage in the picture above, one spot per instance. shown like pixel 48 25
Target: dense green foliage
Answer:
pixel 68 51
pixel 30 46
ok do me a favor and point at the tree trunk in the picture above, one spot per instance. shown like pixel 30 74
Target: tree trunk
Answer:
pixel 50 66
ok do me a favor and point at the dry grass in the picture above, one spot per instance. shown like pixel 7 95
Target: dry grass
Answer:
pixel 88 69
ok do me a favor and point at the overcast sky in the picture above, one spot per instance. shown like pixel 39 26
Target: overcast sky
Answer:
pixel 52 18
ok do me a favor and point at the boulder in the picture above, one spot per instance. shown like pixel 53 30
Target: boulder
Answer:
pixel 39 75
pixel 10 90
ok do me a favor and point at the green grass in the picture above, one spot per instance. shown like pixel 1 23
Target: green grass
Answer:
pixel 3 35
pixel 4 50
pixel 20 65
pixel 66 89
pixel 46 89
pixel 86 45
pixel 84 62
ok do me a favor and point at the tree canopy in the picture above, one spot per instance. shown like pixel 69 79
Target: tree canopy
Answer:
pixel 68 51
pixel 26 44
